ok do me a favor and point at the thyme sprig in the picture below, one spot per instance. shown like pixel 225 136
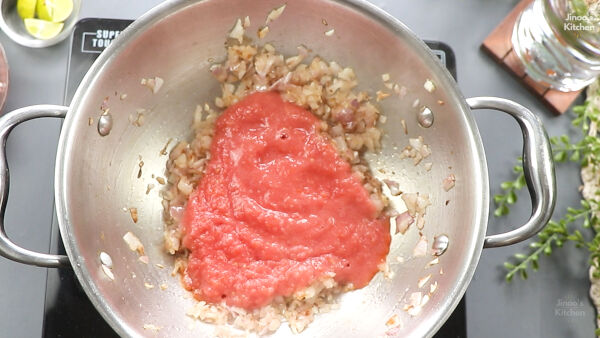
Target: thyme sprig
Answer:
pixel 510 188
pixel 554 235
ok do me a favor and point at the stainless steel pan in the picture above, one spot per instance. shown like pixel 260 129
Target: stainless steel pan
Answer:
pixel 96 177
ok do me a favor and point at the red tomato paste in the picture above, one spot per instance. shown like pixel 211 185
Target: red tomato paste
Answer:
pixel 277 209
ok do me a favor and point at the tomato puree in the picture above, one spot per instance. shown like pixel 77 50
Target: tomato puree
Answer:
pixel 277 209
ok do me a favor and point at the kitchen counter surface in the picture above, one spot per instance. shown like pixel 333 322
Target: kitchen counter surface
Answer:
pixel 552 303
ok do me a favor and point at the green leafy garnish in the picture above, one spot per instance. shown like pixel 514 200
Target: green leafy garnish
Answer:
pixel 509 197
pixel 554 235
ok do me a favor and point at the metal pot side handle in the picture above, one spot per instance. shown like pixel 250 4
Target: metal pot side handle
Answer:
pixel 8 248
pixel 538 169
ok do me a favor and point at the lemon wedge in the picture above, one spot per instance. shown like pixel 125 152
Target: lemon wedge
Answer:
pixel 43 29
pixel 54 10
pixel 26 8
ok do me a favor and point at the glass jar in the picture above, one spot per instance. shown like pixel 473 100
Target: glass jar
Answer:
pixel 558 42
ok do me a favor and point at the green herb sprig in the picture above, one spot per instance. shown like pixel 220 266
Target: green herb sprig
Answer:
pixel 510 188
pixel 554 235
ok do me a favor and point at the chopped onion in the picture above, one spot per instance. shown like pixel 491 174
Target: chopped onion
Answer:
pixel 424 300
pixel 425 151
pixel 154 84
pixel 185 186
pixel 422 203
pixel 152 327
pixel 423 281
pixel 330 32
pixel 416 203
pixel 281 82
pixel 421 247
pixel 428 166
pixel 302 51
pixel 415 299
pixel 263 64
pixel 134 214
pixel 158 82
pixel 134 243
pixel 294 61
pixel 172 240
pixel 385 77
pixel 414 311
pixel 393 321
pixel 347 74
pixel 219 72
pixel 393 186
pixel 148 285
pixel 237 32
pixel 262 32
pixel 416 143
pixel 403 221
pixel 274 14
pixel 416 302
pixel 434 261
pixel 449 182
pixel 420 222
pixel 380 95
pixel 410 199
pixel 176 212
pixel 417 150
pixel 269 48
pixel 178 267
pixel 400 90
pixel 343 115
pixel 429 86
pixel 385 268
pixel 395 331
pixel 139 120
pixel 144 259
pixel 340 143
pixel 104 105
pixel 433 287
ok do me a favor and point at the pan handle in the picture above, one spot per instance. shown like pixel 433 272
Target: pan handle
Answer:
pixel 538 169
pixel 8 248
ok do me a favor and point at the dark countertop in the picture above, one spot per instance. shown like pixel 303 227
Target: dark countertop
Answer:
pixel 494 308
